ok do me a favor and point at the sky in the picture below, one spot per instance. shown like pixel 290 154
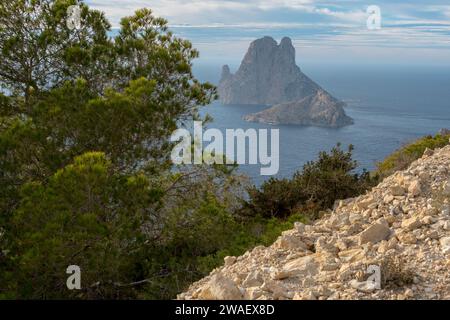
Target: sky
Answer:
pixel 412 32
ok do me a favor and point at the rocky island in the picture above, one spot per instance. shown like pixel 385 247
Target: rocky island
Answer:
pixel 268 75
pixel 319 109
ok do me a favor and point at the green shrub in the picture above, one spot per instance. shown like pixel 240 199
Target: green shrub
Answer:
pixel 275 198
pixel 403 157
pixel 314 188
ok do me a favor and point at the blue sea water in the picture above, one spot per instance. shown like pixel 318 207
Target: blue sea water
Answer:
pixel 391 105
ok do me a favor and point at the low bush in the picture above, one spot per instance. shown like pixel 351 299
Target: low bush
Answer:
pixel 313 189
pixel 403 157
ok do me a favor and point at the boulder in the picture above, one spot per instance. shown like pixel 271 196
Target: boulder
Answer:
pixel 407 238
pixel 445 245
pixel 277 289
pixel 229 261
pixel 220 287
pixel 428 152
pixel 352 255
pixel 253 279
pixel 388 198
pixel 363 286
pixel 300 227
pixel 253 293
pixel 446 225
pixel 303 267
pixel 365 203
pixel 290 241
pixel 324 246
pixel 411 223
pixel 415 188
pixel 397 190
pixel 376 232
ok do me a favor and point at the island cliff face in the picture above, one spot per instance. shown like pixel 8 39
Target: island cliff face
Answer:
pixel 268 75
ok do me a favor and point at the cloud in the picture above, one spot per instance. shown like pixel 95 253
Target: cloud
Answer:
pixel 227 11
pixel 354 15
pixel 238 11
pixel 418 25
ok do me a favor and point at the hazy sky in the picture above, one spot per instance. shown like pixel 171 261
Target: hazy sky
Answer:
pixel 414 31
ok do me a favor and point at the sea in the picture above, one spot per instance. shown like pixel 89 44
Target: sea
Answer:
pixel 391 104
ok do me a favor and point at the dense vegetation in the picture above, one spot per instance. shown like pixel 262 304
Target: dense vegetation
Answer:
pixel 85 173
pixel 84 154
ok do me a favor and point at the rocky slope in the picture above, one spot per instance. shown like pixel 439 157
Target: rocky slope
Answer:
pixel 402 227
pixel 319 109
